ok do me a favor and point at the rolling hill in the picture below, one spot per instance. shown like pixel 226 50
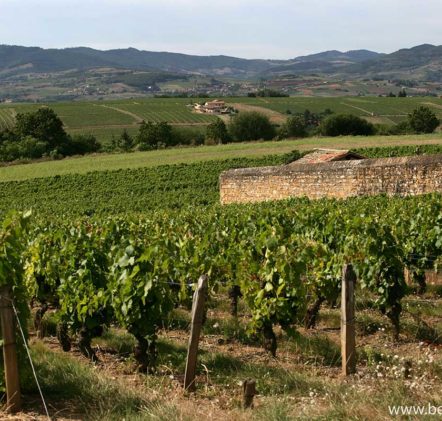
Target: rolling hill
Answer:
pixel 424 61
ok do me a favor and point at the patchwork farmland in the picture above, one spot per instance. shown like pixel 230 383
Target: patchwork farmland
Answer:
pixel 106 118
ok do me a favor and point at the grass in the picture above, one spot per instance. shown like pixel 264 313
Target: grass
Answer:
pixel 106 162
pixel 302 383
pixel 73 385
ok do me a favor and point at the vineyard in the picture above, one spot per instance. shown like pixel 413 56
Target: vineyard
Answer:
pixel 6 118
pixel 276 264
pixel 388 110
pixel 108 263
pixel 106 118
pixel 145 189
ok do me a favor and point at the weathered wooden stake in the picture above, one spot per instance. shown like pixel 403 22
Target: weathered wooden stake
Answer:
pixel 348 341
pixel 249 391
pixel 199 298
pixel 13 395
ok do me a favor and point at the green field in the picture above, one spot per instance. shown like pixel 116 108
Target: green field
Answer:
pixel 107 118
pixel 109 162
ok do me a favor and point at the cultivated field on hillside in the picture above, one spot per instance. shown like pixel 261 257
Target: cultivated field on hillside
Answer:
pixel 104 118
pixel 376 109
pixel 107 118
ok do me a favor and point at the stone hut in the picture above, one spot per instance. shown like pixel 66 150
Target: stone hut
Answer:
pixel 333 174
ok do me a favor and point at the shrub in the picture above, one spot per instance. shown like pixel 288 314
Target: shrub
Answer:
pixel 32 148
pixel 401 128
pixel 293 127
pixel 125 142
pixel 80 144
pixel 151 135
pixel 216 132
pixel 346 125
pixel 251 126
pixel 9 151
pixel 187 136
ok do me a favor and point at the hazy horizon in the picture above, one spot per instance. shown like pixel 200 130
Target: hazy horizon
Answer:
pixel 244 28
pixel 205 55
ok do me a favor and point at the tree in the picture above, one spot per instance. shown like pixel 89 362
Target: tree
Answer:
pixel 125 142
pixel 251 126
pixel 293 127
pixel 346 125
pixel 154 135
pixel 423 120
pixel 80 144
pixel 43 125
pixel 217 132
pixel 41 133
pixel 402 93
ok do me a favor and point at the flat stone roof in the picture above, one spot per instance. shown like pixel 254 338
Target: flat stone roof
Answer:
pixel 420 160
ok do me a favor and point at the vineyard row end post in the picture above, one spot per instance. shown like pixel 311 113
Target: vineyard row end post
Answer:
pixel 348 340
pixel 12 380
pixel 199 298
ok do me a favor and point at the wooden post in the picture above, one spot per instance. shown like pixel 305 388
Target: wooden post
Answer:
pixel 13 396
pixel 249 391
pixel 199 298
pixel 348 341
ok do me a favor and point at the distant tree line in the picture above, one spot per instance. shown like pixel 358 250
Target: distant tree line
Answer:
pixel 270 93
pixel 401 94
pixel 249 126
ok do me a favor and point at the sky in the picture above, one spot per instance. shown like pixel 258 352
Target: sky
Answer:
pixel 274 29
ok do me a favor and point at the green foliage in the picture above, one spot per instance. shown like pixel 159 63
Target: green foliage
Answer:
pixel 283 255
pixel 80 144
pixel 27 148
pixel 125 142
pixel 122 191
pixel 423 120
pixel 146 189
pixel 12 245
pixel 43 124
pixel 293 127
pixel 154 135
pixel 192 136
pixel 251 126
pixel 216 132
pixel 267 93
pixel 346 125
pixel 396 151
pixel 13 240
pixel 41 133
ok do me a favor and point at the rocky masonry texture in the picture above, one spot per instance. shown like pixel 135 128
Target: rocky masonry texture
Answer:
pixel 393 176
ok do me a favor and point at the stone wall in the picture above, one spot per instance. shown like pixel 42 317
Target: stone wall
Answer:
pixel 393 176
